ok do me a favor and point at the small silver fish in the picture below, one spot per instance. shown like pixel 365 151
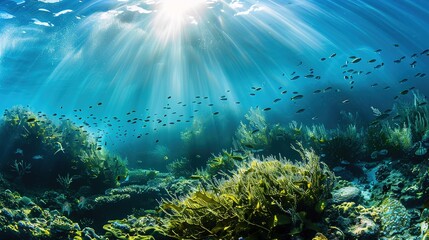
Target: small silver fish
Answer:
pixel 356 60
pixel 37 157
pixel 19 151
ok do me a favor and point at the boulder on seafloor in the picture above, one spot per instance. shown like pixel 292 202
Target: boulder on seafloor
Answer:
pixel 346 194
pixel 364 228
pixel 22 218
pixel 353 221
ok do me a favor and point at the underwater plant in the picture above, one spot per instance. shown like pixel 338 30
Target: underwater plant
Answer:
pixel 21 168
pixel 224 162
pixel 160 152
pixel 253 135
pixel 263 199
pixel 405 132
pixel 414 114
pixel 316 133
pixel 345 145
pixel 193 132
pixel 42 153
pixel 114 169
pixel 181 167
pixel 340 144
pixel 278 133
pixel 295 127
pixel 398 138
pixel 65 181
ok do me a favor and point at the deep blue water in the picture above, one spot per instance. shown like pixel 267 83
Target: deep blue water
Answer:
pixel 169 60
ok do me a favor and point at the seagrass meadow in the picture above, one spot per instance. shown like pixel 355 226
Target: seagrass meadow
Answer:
pixel 214 119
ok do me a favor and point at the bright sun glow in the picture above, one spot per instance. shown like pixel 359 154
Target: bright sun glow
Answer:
pixel 179 10
pixel 173 15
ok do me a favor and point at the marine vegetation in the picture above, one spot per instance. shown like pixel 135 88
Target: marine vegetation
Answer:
pixel 340 144
pixel 138 228
pixel 21 218
pixel 414 114
pixel 398 138
pixel 42 153
pixel 181 167
pixel 160 152
pixel 254 134
pixel 258 136
pixel 224 162
pixel 264 199
pixel 194 132
pixel 316 133
pixel 401 130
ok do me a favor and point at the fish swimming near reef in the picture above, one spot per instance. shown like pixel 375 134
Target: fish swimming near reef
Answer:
pixel 31 119
pixel 123 180
pixel 19 151
pixel 383 152
pixel 37 157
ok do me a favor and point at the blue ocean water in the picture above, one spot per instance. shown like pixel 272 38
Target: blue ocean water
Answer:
pixel 159 80
pixel 151 58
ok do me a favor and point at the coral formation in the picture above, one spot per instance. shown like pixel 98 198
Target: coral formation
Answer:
pixel 140 228
pixel 353 221
pixel 23 219
pixel 394 218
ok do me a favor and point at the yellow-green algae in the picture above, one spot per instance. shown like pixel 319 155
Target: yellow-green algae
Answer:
pixel 264 199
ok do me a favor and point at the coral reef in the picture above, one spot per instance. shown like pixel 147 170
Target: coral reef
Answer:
pixel 381 190
pixel 141 228
pixel 394 219
pixel 352 221
pixel 21 218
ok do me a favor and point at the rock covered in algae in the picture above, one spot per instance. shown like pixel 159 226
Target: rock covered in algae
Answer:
pixel 346 194
pixel 111 199
pixel 21 218
pixel 138 228
pixel 364 228
pixel 354 221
